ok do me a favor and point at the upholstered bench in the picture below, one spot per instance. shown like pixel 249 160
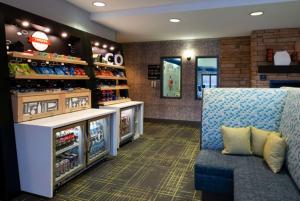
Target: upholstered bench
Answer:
pixel 249 178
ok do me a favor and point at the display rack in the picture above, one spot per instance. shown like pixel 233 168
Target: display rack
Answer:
pixel 108 65
pixel 118 87
pixel 52 77
pixel 45 58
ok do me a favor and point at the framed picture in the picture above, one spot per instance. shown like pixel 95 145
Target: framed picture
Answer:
pixel 153 72
pixel 207 74
pixel 171 79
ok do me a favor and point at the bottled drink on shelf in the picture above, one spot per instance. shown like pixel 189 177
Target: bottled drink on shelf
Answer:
pixel 66 162
pixel 66 138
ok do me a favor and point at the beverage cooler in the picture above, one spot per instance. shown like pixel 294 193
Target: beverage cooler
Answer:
pixel 53 150
pixel 130 120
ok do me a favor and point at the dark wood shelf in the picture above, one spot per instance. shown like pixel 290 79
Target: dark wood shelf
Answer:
pixel 279 69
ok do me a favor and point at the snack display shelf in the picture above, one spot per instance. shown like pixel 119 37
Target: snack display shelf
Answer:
pixel 108 65
pixel 114 102
pixel 43 58
pixel 67 148
pixel 52 77
pixel 113 88
pixel 71 172
pixel 110 77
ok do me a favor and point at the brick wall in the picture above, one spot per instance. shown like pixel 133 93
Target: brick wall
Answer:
pixel 235 62
pixel 277 39
pixel 139 55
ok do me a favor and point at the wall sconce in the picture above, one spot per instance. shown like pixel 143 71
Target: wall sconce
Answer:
pixel 189 54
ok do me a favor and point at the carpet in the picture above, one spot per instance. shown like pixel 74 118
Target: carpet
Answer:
pixel 159 166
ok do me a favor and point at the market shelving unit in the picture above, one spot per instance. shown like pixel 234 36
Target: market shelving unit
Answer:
pixel 115 85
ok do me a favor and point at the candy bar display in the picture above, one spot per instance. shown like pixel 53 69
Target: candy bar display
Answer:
pixel 110 73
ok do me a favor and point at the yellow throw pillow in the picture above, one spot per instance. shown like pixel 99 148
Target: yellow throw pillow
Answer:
pixel 236 140
pixel 258 140
pixel 274 152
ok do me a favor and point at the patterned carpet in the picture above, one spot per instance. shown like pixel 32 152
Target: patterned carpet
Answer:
pixel 156 167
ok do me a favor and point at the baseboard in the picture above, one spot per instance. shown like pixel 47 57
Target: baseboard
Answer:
pixel 171 121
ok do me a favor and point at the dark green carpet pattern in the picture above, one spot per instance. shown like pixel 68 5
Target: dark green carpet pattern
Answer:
pixel 156 167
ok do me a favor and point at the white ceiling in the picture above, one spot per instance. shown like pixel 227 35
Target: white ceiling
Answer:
pixel 148 20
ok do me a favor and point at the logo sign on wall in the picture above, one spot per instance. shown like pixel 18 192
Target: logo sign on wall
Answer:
pixel 39 41
pixel 117 58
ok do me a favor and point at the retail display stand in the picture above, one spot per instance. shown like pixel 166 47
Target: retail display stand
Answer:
pixel 130 120
pixel 112 84
pixel 53 150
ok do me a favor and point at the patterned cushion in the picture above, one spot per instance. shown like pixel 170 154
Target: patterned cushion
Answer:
pixel 261 108
pixel 256 182
pixel 290 127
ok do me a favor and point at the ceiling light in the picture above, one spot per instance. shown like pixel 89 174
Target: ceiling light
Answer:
pixel 112 48
pixel 47 30
pixel 99 4
pixel 257 13
pixel 175 20
pixel 104 46
pixel 25 23
pixel 64 34
pixel 97 44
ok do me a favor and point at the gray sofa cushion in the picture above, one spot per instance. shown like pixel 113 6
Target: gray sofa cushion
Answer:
pixel 256 182
pixel 212 162
pixel 252 178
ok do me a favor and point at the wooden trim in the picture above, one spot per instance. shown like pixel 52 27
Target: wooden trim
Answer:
pixel 108 65
pixel 113 88
pixel 114 102
pixel 110 78
pixel 52 77
pixel 42 58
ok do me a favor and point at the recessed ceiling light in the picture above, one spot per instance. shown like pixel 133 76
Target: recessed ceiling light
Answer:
pixel 257 13
pixel 97 44
pixel 47 30
pixel 112 48
pixel 64 34
pixel 104 46
pixel 25 23
pixel 99 4
pixel 175 20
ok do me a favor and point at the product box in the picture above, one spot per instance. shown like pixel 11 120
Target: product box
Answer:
pixel 35 105
pixel 76 100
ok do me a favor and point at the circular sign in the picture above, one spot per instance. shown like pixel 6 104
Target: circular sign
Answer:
pixel 39 41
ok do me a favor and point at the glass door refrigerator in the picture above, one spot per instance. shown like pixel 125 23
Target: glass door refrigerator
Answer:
pixel 69 151
pixel 98 138
pixel 127 123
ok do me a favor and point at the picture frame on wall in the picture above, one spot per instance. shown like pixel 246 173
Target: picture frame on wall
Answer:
pixel 171 77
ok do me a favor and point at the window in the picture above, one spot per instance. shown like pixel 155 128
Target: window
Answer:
pixel 206 74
